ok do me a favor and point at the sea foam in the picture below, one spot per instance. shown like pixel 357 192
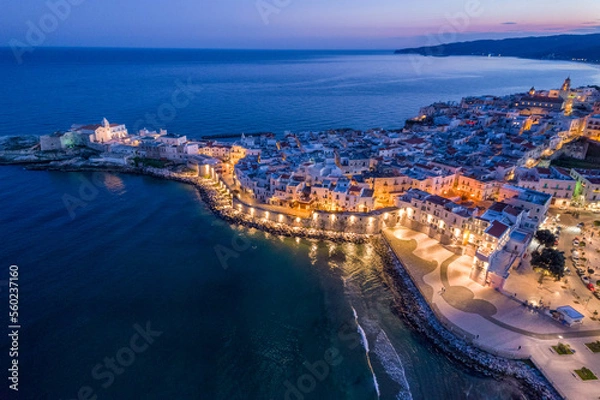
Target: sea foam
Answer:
pixel 365 344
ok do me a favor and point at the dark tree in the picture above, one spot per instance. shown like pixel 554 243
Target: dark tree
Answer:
pixel 550 262
pixel 545 237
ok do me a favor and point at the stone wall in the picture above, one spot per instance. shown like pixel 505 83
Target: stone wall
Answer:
pixel 361 223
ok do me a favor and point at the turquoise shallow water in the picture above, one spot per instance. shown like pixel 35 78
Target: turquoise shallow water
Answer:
pixel 282 320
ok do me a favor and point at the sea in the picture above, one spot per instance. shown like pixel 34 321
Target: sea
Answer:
pixel 139 292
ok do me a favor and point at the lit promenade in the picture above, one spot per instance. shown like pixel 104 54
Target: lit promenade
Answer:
pixel 497 322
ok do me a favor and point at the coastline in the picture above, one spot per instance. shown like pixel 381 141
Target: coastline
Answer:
pixel 562 47
pixel 211 197
pixel 410 305
pixel 423 54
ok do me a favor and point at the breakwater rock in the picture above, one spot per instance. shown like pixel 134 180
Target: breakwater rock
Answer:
pixel 416 312
pixel 409 303
pixel 219 203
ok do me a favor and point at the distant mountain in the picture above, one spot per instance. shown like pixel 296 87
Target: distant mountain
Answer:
pixel 562 47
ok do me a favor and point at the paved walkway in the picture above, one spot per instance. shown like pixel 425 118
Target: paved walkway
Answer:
pixel 493 321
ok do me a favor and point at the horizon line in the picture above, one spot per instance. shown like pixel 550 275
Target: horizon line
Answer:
pixel 83 47
pixel 125 47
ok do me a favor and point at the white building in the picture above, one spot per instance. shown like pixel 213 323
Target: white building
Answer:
pixel 63 140
pixel 556 182
pixel 536 203
pixel 587 192
pixel 102 133
pixel 592 128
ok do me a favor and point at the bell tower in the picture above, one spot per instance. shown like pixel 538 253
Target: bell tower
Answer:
pixel 566 85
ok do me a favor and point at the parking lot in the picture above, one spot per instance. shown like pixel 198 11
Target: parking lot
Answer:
pixel 579 239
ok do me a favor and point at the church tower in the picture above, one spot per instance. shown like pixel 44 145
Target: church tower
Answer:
pixel 566 85
pixel 532 91
pixel 565 94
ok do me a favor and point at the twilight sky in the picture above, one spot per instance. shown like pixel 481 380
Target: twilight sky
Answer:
pixel 311 24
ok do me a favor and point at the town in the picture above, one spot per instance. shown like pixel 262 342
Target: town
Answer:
pixel 500 193
pixel 476 174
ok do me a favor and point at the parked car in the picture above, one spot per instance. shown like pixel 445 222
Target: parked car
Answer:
pixel 585 279
pixel 591 287
pixel 597 294
pixel 575 242
pixel 580 271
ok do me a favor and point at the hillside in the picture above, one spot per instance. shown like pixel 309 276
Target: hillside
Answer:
pixel 562 47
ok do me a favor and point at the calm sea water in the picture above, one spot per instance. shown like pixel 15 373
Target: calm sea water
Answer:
pixel 142 251
pixel 251 91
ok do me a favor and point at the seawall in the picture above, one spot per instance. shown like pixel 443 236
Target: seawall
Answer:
pixel 410 304
pixel 415 310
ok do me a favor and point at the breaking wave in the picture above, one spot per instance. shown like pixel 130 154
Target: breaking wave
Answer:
pixel 365 344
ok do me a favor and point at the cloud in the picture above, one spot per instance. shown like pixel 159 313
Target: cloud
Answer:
pixel 509 23
pixel 594 28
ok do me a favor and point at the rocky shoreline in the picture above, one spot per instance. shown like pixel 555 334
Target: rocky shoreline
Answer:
pixel 416 312
pixel 211 198
pixel 214 200
pixel 410 304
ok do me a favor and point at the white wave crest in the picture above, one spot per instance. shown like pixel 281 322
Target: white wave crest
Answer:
pixel 365 344
pixel 389 358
